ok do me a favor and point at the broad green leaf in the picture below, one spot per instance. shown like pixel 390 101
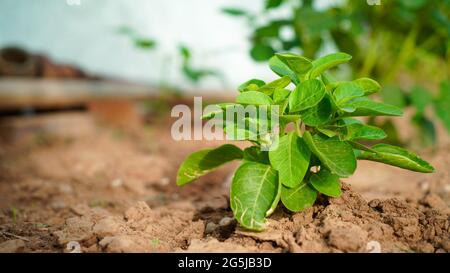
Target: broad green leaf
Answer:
pixel 285 119
pixel 290 159
pixel 255 154
pixel 202 162
pixel 336 155
pixel 327 79
pixel 306 95
pixel 261 52
pixel 234 132
pixel 251 85
pixel 369 86
pixel 254 97
pixel 367 107
pixel 420 98
pixel 327 132
pixel 298 198
pixel 349 121
pixel 276 201
pixel 300 65
pixel 319 114
pixel 442 104
pixel 345 92
pixel 326 183
pixel 269 88
pixel 360 147
pixel 279 95
pixel 326 62
pixel 363 132
pixel 253 191
pixel 398 157
pixel 281 69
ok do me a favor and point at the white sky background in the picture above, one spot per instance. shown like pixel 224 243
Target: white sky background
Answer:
pixel 86 36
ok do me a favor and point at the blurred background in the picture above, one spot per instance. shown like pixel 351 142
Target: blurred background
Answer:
pixel 87 86
pixel 213 46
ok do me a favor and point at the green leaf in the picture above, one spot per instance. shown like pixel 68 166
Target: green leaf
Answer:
pixel 145 43
pixel 269 88
pixel 234 11
pixel 367 107
pixel 261 52
pixel 276 201
pixel 273 3
pixel 235 132
pixel 326 183
pixel 281 69
pixel 336 155
pixel 398 157
pixel 319 114
pixel 253 191
pixel 290 159
pixel 442 104
pixel 344 93
pixel 251 85
pixel 369 86
pixel 202 162
pixel 255 154
pixel 327 132
pixel 363 132
pixel 285 119
pixel 300 65
pixel 306 95
pixel 298 198
pixel 279 95
pixel 254 97
pixel 326 62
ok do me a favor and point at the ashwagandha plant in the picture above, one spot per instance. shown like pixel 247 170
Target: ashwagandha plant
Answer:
pixel 316 144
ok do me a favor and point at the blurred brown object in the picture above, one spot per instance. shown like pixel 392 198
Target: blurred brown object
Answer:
pixel 16 62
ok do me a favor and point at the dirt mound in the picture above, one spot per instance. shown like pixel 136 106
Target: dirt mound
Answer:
pixel 346 224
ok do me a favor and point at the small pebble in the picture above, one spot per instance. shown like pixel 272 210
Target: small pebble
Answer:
pixel 210 227
pixel 225 221
pixel 373 247
pixel 165 181
pixel 73 247
pixel 440 250
pixel 116 183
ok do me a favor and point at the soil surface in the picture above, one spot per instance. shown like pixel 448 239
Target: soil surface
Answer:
pixel 70 185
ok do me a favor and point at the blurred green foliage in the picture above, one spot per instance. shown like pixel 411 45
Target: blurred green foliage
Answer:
pixel 404 43
pixel 193 74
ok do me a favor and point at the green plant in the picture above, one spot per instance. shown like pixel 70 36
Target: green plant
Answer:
pixel 407 38
pixel 311 157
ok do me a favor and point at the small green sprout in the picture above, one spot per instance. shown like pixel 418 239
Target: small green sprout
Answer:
pixel 318 139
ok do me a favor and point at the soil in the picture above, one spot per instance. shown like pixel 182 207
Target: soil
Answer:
pixel 70 185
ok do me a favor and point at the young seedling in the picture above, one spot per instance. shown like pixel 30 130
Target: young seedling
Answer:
pixel 320 148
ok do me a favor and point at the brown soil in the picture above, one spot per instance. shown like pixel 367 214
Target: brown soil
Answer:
pixel 69 185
